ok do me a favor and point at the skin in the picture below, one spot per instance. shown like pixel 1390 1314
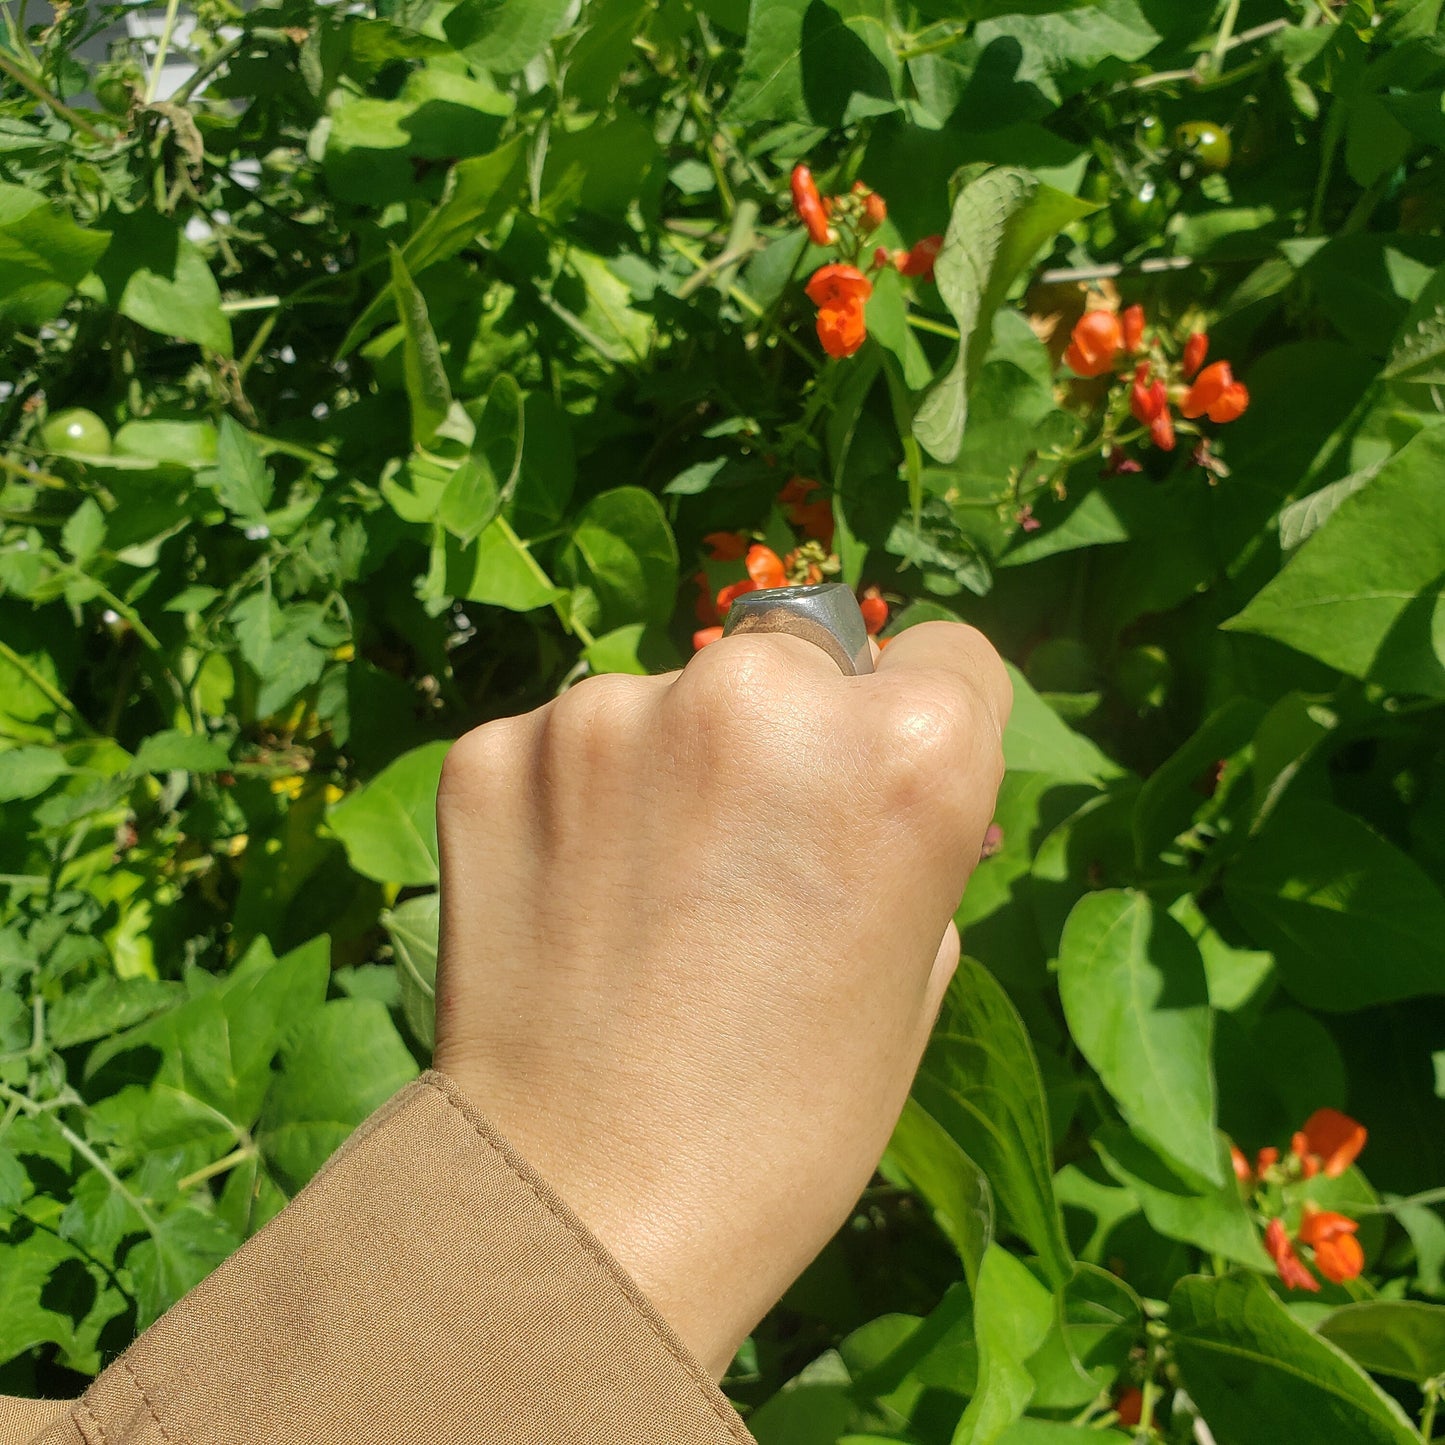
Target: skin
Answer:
pixel 695 931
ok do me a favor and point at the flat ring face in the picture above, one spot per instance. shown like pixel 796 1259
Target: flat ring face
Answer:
pixel 826 615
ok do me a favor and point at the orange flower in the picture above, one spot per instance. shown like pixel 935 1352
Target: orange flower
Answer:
pixel 814 519
pixel 839 292
pixel 875 208
pixel 810 209
pixel 918 260
pixel 1292 1273
pixel 732 591
pixel 1267 1158
pixel 1216 394
pixel 726 546
pixel 1240 1162
pixel 1330 1141
pixel 1130 1406
pixel 1195 350
pixel 1132 322
pixel 1095 343
pixel 1338 1255
pixel 874 610
pixel 1149 402
pixel 703 636
pixel 765 567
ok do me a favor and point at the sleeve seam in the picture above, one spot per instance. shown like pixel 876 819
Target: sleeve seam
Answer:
pixel 140 1390
pixel 715 1402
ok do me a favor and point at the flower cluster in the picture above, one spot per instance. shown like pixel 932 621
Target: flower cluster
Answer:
pixel 1327 1145
pixel 1105 342
pixel 840 290
pixel 811 561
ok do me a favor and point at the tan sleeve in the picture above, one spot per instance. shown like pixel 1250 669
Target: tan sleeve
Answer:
pixel 425 1287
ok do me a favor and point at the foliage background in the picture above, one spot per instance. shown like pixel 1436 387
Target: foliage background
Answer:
pixel 430 339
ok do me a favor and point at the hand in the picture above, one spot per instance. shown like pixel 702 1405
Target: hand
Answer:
pixel 695 931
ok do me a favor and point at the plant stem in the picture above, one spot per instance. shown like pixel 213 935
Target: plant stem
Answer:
pixel 44 684
pixel 44 479
pixel 1427 1412
pixel 936 328
pixel 53 102
pixel 1221 41
pixel 217 1166
pixel 163 47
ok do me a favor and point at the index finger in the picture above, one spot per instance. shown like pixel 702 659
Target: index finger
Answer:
pixel 959 650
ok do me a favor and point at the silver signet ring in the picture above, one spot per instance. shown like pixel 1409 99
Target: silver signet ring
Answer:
pixel 826 615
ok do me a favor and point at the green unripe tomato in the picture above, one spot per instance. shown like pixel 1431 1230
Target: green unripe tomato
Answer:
pixel 1142 215
pixel 1208 143
pixel 1143 676
pixel 75 430
pixel 114 94
pixel 1151 133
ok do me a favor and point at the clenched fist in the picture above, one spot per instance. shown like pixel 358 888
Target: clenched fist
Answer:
pixel 695 930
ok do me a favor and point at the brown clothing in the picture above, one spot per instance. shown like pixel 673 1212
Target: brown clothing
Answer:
pixel 425 1287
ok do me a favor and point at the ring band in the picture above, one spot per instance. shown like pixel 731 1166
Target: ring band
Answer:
pixel 826 615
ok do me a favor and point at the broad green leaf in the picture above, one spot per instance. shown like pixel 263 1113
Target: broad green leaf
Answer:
pixel 173 751
pixel 241 478
pixel 1038 740
pixel 1012 1313
pixel 638 648
pixel 52 1294
pixel 1351 919
pixel 389 825
pixel 1214 1219
pixel 287 647
pixel 344 1062
pixel 499 569
pixel 104 1006
pixel 1259 1377
pixel 380 150
pixel 27 772
pixel 43 255
pixel 1363 594
pixel 187 1244
pixel 1051 1432
pixel 952 1185
pixel 84 531
pixel 1098 1322
pixel 1170 797
pixel 427 388
pixel 485 481
pixel 413 927
pixel 503 35
pixel 1134 993
pixel 980 1083
pixel 152 273
pixel 1418 352
pixel 621 560
pixel 1001 218
pixel 818 62
pixel 1403 1338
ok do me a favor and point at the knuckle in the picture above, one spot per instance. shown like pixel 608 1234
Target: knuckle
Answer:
pixel 739 678
pixel 940 752
pixel 591 720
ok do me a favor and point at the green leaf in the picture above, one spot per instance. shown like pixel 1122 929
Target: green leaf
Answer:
pixel 27 772
pixel 152 273
pixel 1363 594
pixel 241 478
pixel 1001 218
pixel 1012 1313
pixel 1098 1323
pixel 84 531
pixel 503 35
pixel 621 560
pixel 485 481
pixel 344 1062
pixel 980 1083
pixel 389 825
pixel 952 1185
pixel 43 256
pixel 638 648
pixel 1214 1219
pixel 187 1244
pixel 815 62
pixel 1403 1338
pixel 1351 919
pixel 1259 1377
pixel 499 569
pixel 413 927
pixel 175 751
pixel 427 388
pixel 1134 993
pixel 1038 740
